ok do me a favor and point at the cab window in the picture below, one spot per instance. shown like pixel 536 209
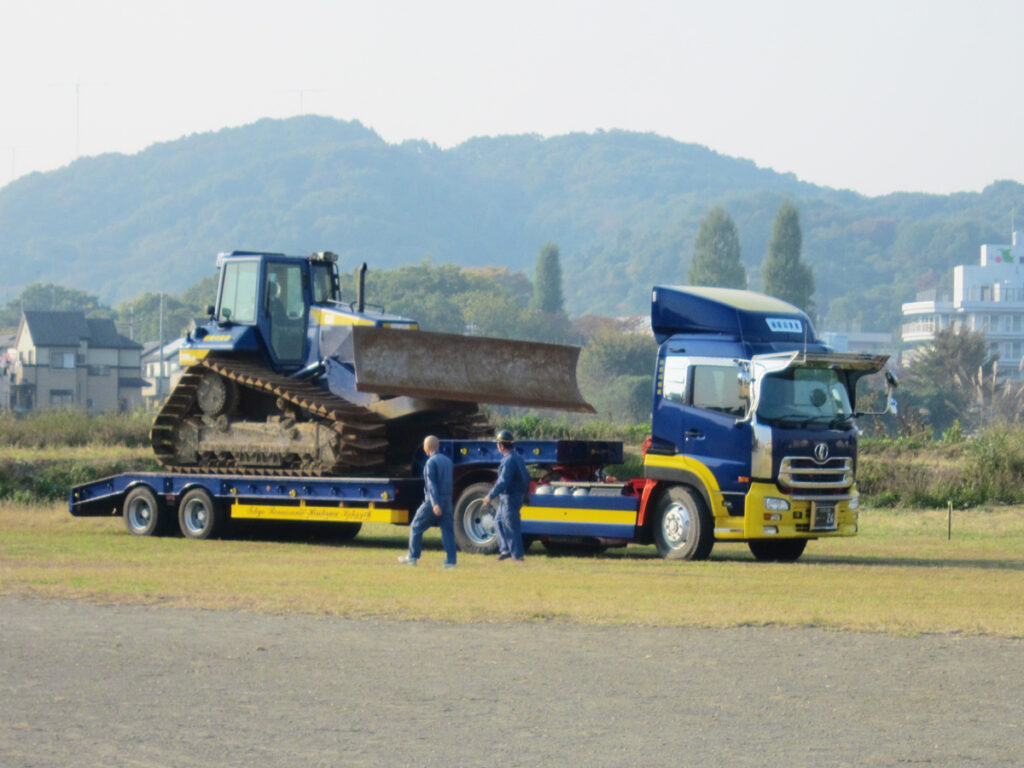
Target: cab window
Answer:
pixel 674 383
pixel 324 284
pixel 716 388
pixel 238 295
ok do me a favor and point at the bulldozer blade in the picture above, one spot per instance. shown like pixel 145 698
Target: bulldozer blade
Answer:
pixel 473 369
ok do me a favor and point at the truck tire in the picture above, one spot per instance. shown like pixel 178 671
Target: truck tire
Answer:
pixel 683 526
pixel 200 516
pixel 144 512
pixel 474 523
pixel 777 550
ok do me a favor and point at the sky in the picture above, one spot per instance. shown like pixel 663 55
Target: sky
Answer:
pixel 876 96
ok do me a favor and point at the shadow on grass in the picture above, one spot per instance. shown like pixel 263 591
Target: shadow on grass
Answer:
pixel 888 562
pixel 330 534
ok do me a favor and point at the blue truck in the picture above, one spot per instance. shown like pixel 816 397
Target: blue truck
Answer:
pixel 313 411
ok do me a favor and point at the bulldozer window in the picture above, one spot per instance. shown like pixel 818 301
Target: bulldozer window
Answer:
pixel 238 297
pixel 323 284
pixel 286 310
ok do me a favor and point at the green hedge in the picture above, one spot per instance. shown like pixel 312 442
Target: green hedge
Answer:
pixel 51 479
pixel 918 472
pixel 50 429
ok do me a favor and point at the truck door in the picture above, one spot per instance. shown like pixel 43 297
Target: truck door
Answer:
pixel 699 412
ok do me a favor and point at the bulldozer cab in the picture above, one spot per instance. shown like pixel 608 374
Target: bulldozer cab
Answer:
pixel 272 293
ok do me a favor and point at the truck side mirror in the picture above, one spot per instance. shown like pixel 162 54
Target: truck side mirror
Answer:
pixel 891 382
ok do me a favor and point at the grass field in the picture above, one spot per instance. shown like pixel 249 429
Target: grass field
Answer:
pixel 900 575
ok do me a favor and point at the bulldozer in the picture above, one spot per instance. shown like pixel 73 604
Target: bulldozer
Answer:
pixel 284 377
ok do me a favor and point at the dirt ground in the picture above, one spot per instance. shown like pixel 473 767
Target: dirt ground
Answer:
pixel 85 685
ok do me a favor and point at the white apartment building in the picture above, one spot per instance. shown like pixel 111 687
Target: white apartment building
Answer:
pixel 988 297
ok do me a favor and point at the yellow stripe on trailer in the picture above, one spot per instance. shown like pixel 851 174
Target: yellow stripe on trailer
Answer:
pixel 318 513
pixel 577 515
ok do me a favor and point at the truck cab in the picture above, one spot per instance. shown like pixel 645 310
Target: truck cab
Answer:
pixel 753 434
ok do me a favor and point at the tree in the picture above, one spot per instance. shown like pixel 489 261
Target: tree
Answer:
pixel 949 379
pixel 140 318
pixel 616 374
pixel 547 284
pixel 716 253
pixel 786 276
pixel 50 297
pixel 201 295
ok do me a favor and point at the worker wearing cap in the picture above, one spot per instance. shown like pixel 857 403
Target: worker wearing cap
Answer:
pixel 436 508
pixel 512 484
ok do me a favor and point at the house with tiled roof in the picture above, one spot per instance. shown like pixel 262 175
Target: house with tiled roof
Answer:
pixel 66 360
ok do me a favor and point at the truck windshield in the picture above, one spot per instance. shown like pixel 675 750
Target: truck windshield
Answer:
pixel 805 397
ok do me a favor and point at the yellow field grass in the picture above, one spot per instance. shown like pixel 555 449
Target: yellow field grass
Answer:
pixel 900 575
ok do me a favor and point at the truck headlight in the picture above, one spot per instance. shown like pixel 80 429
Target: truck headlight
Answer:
pixel 776 504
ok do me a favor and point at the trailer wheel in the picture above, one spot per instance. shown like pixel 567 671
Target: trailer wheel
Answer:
pixel 474 523
pixel 144 512
pixel 683 527
pixel 781 551
pixel 199 516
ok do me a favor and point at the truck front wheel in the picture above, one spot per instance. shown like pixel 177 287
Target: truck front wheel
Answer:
pixel 474 522
pixel 683 527
pixel 781 550
pixel 200 516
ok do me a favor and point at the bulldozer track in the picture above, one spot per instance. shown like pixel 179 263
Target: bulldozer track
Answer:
pixel 362 434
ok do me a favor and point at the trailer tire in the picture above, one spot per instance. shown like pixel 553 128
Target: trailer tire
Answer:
pixel 683 526
pixel 474 524
pixel 777 551
pixel 200 516
pixel 144 512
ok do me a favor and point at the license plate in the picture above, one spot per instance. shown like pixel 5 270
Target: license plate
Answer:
pixel 824 517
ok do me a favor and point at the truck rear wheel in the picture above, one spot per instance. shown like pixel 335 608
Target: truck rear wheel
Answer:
pixel 200 516
pixel 683 527
pixel 777 550
pixel 474 523
pixel 144 512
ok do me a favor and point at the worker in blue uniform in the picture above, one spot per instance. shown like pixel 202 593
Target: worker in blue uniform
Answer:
pixel 511 486
pixel 436 508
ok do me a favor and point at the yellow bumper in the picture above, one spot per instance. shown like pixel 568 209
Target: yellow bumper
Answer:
pixel 805 519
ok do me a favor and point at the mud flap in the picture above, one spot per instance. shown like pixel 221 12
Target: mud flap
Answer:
pixel 474 369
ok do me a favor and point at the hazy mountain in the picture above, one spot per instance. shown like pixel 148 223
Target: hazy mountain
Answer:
pixel 623 207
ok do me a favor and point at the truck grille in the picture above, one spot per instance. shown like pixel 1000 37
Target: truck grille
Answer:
pixel 805 472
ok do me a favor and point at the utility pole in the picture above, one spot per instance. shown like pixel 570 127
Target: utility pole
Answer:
pixel 160 389
pixel 302 93
pixel 78 85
